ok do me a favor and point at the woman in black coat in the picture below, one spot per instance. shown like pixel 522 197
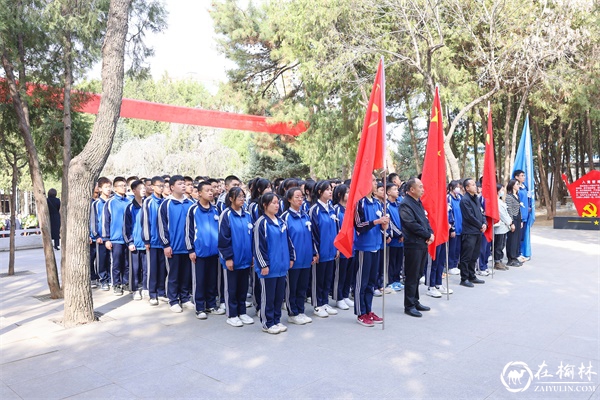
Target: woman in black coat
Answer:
pixel 54 210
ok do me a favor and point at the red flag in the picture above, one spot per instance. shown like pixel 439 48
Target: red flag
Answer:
pixel 370 156
pixel 489 192
pixel 434 178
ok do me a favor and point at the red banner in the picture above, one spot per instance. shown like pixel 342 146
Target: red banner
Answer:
pixel 585 193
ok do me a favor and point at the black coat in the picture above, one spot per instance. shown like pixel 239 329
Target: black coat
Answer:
pixel 54 209
pixel 415 225
pixel 472 217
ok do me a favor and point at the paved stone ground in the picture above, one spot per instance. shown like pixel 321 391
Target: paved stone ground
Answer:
pixel 547 311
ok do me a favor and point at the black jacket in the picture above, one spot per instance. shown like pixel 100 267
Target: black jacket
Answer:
pixel 473 218
pixel 415 225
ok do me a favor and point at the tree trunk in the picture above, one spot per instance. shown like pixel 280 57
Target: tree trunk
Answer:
pixel 513 147
pixel 13 214
pixel 507 171
pixel 475 155
pixel 68 80
pixel 541 166
pixel 465 149
pixel 413 136
pixel 39 192
pixel 86 167
pixel 590 144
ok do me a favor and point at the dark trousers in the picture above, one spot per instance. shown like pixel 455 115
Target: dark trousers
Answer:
pixel 453 251
pixel 93 262
pixel 415 260
pixel 513 241
pixel 272 293
pixel 469 254
pixel 236 288
pixel 138 278
pixel 367 266
pixel 380 282
pixel 484 253
pixel 499 243
pixel 204 282
pixel 434 278
pixel 396 261
pixel 295 291
pixel 221 283
pixel 179 278
pixel 322 274
pixel 119 266
pixel 342 279
pixel 103 262
pixel 157 273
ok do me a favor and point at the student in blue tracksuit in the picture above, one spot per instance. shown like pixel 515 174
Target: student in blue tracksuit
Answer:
pixel 324 229
pixel 202 244
pixel 133 238
pixel 171 228
pixel 157 270
pixel 274 255
pixel 342 279
pixel 299 229
pixel 102 253
pixel 379 195
pixel 455 215
pixel 94 277
pixel 526 206
pixel 309 186
pixel 396 244
pixel 112 235
pixel 367 242
pixel 235 252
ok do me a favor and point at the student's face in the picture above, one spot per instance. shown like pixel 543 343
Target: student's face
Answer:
pixel 417 189
pixel 326 195
pixel 167 189
pixel 221 187
pixel 215 188
pixel 195 194
pixel 106 189
pixel 149 190
pixel 273 206
pixel 520 177
pixel 189 187
pixel 393 193
pixel 238 202
pixel 267 190
pixel 396 181
pixel 380 192
pixel 120 188
pixel 140 191
pixel 158 188
pixel 206 193
pixel 178 188
pixel 296 200
pixel 233 183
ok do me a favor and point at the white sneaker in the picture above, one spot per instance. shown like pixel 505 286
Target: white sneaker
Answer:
pixel 296 320
pixel 341 304
pixel 246 319
pixel 349 302
pixel 522 259
pixel 433 292
pixel 377 293
pixel 235 321
pixel 388 290
pixel 330 310
pixel 422 280
pixel 454 271
pixel 215 311
pixel 163 299
pixel 153 302
pixel 201 315
pixel 145 294
pixel 176 308
pixel 485 272
pixel 443 290
pixel 282 327
pixel 248 304
pixel 305 318
pixel 274 330
pixel 137 295
pixel 222 307
pixel 320 312
pixel 188 305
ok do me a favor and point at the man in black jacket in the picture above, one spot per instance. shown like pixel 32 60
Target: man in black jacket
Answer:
pixel 417 236
pixel 473 224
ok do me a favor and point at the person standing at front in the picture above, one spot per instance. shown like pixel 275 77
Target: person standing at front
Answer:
pixel 473 225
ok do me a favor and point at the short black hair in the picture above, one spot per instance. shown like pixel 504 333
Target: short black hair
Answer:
pixel 411 183
pixel 202 184
pixel 230 178
pixel 119 179
pixel 175 178
pixel 136 183
pixel 188 179
pixel 466 181
pixel 518 172
pixel 156 179
pixel 103 181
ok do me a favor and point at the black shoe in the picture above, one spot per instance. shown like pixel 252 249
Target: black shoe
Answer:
pixel 466 283
pixel 413 312
pixel 118 290
pixel 421 307
pixel 477 280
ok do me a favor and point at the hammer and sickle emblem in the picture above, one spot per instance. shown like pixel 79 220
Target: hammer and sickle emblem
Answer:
pixel 590 210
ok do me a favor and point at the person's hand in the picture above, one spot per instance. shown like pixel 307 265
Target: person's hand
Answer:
pixel 131 247
pixel 108 245
pixel 453 235
pixel 388 240
pixel 193 257
pixel 147 247
pixel 90 241
pixel 168 252
pixel 315 260
pixel 401 240
pixel 431 239
pixel 483 227
pixel 337 254
pixel 383 220
pixel 229 265
pixel 291 264
pixel 264 271
pixel 99 240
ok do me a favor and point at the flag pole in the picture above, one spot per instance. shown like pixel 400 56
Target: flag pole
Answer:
pixel 384 192
pixel 447 279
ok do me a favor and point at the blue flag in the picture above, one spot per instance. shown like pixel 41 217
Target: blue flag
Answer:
pixel 524 162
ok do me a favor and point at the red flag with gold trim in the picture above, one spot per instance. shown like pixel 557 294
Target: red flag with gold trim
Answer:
pixel 489 192
pixel 434 178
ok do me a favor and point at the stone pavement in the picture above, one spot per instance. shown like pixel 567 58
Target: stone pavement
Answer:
pixel 546 312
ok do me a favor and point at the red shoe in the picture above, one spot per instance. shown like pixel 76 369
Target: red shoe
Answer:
pixel 364 320
pixel 375 318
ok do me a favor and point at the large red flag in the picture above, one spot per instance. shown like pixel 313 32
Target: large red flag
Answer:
pixel 434 178
pixel 370 156
pixel 489 191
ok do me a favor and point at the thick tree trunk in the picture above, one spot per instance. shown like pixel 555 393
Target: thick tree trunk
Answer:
pixel 39 192
pixel 68 80
pixel 590 144
pixel 507 171
pixel 413 136
pixel 86 167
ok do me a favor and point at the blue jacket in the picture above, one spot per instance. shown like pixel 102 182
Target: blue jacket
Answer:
pixel 253 211
pixel 150 221
pixel 133 225
pixel 324 230
pixel 235 238
pixel 366 238
pixel 96 218
pixel 454 204
pixel 525 203
pixel 171 224
pixel 113 219
pixel 272 247
pixel 395 229
pixel 202 230
pixel 299 229
pixel 340 212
